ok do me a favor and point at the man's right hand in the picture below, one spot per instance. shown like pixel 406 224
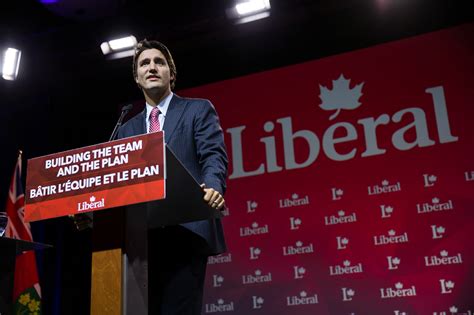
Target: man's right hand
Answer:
pixel 82 221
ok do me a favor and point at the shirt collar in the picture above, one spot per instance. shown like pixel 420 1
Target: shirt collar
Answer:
pixel 162 106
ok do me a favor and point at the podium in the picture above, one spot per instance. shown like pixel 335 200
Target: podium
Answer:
pixel 9 249
pixel 138 184
pixel 120 243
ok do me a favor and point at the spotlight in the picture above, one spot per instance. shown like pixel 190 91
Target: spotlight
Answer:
pixel 251 7
pixel 119 48
pixel 11 63
pixel 249 10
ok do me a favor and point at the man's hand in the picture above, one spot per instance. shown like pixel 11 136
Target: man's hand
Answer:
pixel 82 221
pixel 213 197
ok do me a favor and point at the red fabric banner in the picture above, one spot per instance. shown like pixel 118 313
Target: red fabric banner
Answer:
pixel 351 187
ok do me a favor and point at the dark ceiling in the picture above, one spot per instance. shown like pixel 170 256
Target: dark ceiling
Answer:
pixel 67 94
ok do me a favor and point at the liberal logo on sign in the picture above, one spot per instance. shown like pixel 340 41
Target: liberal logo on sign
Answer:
pixel 299 272
pixel 347 294
pixel 299 249
pixel 392 238
pixel 437 231
pixel 219 259
pixel 342 242
pixel 336 193
pixel 341 218
pixel 295 223
pixel 341 96
pixel 217 281
pixel 393 262
pixel 91 205
pixel 219 307
pixel 254 229
pixel 251 206
pixel 257 277
pixel 385 188
pixel 386 211
pixel 443 259
pixel 429 180
pixel 257 302
pixel 446 286
pixel 345 269
pixel 436 205
pixel 398 292
pixel 294 201
pixel 302 299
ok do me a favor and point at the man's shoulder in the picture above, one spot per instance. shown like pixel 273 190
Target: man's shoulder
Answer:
pixel 133 120
pixel 193 101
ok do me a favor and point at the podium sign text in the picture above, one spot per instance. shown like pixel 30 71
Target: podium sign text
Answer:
pixel 107 175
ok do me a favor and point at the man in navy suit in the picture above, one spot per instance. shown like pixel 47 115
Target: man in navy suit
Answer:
pixel 178 254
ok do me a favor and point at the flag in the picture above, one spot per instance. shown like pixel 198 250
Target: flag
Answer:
pixel 26 289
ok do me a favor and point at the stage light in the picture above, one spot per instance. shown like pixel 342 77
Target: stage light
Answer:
pixel 246 11
pixel 120 47
pixel 11 63
pixel 251 7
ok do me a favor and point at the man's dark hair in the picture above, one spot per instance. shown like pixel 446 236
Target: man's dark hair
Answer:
pixel 150 44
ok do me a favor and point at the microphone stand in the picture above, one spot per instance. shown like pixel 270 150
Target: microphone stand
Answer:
pixel 125 110
pixel 84 221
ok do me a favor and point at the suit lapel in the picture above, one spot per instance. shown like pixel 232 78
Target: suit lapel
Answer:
pixel 139 124
pixel 174 113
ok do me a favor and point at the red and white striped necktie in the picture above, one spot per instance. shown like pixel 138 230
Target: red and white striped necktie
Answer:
pixel 154 122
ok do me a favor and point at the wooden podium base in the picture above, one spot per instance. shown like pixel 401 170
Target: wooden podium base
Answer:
pixel 106 273
pixel 106 287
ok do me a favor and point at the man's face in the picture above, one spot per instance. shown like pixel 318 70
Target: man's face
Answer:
pixel 153 71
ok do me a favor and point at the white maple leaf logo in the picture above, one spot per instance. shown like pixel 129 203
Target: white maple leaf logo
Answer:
pixel 294 196
pixel 303 294
pixel 385 182
pixel 299 243
pixel 258 272
pixel 298 221
pixel 92 199
pixel 220 301
pixel 440 229
pixel 346 263
pixel 301 270
pixel 341 96
pixel 344 241
pixel 399 285
pixel 350 292
pixel 435 200
pixel 339 192
pixel 453 309
pixel 255 225
pixel 391 232
pixel 389 209
pixel 449 284
pixel 341 213
pixel 396 261
pixel 254 204
pixel 220 279
pixel 444 253
pixel 260 300
pixel 432 178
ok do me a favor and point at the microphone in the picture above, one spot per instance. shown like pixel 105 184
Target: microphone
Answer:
pixel 125 110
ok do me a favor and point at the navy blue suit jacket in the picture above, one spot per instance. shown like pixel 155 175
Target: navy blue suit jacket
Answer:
pixel 193 133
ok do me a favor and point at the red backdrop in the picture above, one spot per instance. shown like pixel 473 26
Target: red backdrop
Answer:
pixel 351 183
